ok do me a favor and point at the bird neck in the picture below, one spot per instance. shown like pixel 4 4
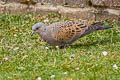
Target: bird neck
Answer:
pixel 44 29
pixel 42 32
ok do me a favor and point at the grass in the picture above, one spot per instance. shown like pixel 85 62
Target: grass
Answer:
pixel 24 57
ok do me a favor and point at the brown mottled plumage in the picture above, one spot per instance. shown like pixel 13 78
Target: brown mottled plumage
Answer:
pixel 65 32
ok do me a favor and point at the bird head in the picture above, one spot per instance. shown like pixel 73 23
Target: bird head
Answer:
pixel 38 27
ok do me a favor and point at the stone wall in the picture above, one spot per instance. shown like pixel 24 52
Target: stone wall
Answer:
pixel 80 9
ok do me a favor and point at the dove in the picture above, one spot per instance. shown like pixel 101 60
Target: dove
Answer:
pixel 65 32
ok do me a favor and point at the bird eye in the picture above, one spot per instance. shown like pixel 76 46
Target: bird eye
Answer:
pixel 37 28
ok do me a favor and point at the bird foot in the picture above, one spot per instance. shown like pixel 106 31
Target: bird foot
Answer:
pixel 63 46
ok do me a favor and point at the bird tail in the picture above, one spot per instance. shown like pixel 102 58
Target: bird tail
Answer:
pixel 100 26
pixel 95 27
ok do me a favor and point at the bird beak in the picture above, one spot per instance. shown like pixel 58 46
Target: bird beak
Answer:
pixel 32 33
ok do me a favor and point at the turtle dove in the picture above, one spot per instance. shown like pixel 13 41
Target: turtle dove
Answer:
pixel 65 32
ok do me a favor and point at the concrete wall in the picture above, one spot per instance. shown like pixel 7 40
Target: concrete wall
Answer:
pixel 80 9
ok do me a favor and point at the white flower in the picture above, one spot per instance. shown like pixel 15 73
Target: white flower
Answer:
pixel 77 68
pixel 46 47
pixel 65 72
pixel 6 58
pixel 16 48
pixel 25 56
pixel 83 73
pixel 115 66
pixel 46 20
pixel 78 56
pixel 105 53
pixel 96 64
pixel 52 76
pixel 0 62
pixel 57 47
pixel 39 78
pixel 21 68
pixel 15 35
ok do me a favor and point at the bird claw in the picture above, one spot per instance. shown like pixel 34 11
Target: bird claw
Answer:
pixel 64 46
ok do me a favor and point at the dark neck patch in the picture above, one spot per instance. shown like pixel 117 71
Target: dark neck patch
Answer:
pixel 44 29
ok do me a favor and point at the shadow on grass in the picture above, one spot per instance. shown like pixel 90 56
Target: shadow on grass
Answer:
pixel 98 42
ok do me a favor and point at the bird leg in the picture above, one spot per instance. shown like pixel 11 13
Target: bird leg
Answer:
pixel 64 46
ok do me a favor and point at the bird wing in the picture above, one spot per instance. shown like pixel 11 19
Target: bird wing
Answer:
pixel 68 31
